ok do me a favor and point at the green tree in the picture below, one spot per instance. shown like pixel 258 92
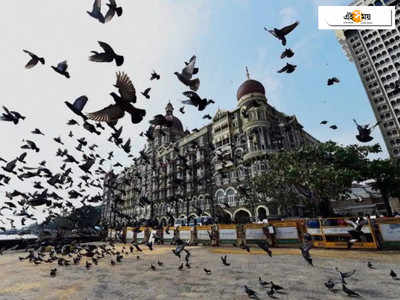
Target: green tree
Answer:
pixel 314 174
pixel 386 179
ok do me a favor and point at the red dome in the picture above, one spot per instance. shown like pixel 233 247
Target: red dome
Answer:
pixel 248 87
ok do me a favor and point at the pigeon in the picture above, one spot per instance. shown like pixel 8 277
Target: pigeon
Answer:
pixel 207 117
pixel 180 267
pixel 324 122
pixel 289 68
pixel 332 80
pixel 91 128
pixel 364 132
pixel 186 75
pixel 11 116
pixel 78 106
pixel 37 131
pixel 58 140
pixel 333 127
pixel 72 122
pixel 112 9
pixel 349 292
pixel 370 266
pixel 127 146
pixel 249 291
pixel 62 69
pixel 330 284
pixel 195 100
pixel 154 75
pixel 116 111
pixel 262 282
pixel 208 272
pixel 393 275
pixel 96 11
pixel 107 56
pixel 287 53
pixel 344 275
pixel 146 93
pixel 34 60
pixel 223 259
pixel 182 110
pixel 53 272
pixel 281 33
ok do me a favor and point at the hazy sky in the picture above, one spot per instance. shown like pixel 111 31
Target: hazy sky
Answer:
pixel 226 36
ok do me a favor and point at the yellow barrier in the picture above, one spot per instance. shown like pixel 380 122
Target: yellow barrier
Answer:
pixel 334 233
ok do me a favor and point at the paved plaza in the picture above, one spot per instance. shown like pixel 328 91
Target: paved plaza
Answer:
pixel 133 278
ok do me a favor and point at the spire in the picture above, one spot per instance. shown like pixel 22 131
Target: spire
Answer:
pixel 169 108
pixel 247 73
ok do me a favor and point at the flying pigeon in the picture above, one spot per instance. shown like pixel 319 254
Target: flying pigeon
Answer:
pixel 34 60
pixel 78 106
pixel 96 11
pixel 107 56
pixel 281 33
pixel 332 80
pixel 288 68
pixel 186 75
pixel 112 9
pixel 122 104
pixel 62 69
pixel 287 53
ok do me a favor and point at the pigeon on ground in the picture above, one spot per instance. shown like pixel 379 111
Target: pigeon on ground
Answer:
pixel 223 259
pixel 62 69
pixel 349 292
pixel 289 68
pixel 330 284
pixel 393 275
pixel 34 60
pixel 116 111
pixel 208 272
pixel 186 75
pixel 107 56
pixel 250 292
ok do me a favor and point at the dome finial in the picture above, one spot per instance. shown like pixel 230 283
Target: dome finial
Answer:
pixel 247 73
pixel 169 108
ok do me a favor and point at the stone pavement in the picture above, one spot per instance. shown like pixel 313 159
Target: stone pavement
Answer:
pixel 133 279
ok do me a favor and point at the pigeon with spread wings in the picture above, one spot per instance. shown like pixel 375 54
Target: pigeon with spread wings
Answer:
pixel 281 33
pixel 34 60
pixel 186 75
pixel 107 56
pixel 114 112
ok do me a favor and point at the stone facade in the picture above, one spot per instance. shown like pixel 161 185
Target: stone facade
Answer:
pixel 181 172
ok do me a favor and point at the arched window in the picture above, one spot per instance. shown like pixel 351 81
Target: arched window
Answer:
pixel 231 197
pixel 220 196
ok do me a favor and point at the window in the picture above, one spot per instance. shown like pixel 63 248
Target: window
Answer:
pixel 231 197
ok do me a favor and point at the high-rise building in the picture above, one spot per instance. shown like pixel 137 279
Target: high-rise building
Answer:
pixel 190 173
pixel 376 54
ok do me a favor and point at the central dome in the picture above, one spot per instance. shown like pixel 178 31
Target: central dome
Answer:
pixel 176 123
pixel 248 87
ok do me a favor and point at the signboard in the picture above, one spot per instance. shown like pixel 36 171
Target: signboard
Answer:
pixel 342 230
pixel 286 233
pixel 227 234
pixel 390 232
pixel 168 236
pixel 202 235
pixel 184 233
pixel 314 231
pixel 129 234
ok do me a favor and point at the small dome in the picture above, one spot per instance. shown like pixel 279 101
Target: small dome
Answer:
pixel 248 87
pixel 176 123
